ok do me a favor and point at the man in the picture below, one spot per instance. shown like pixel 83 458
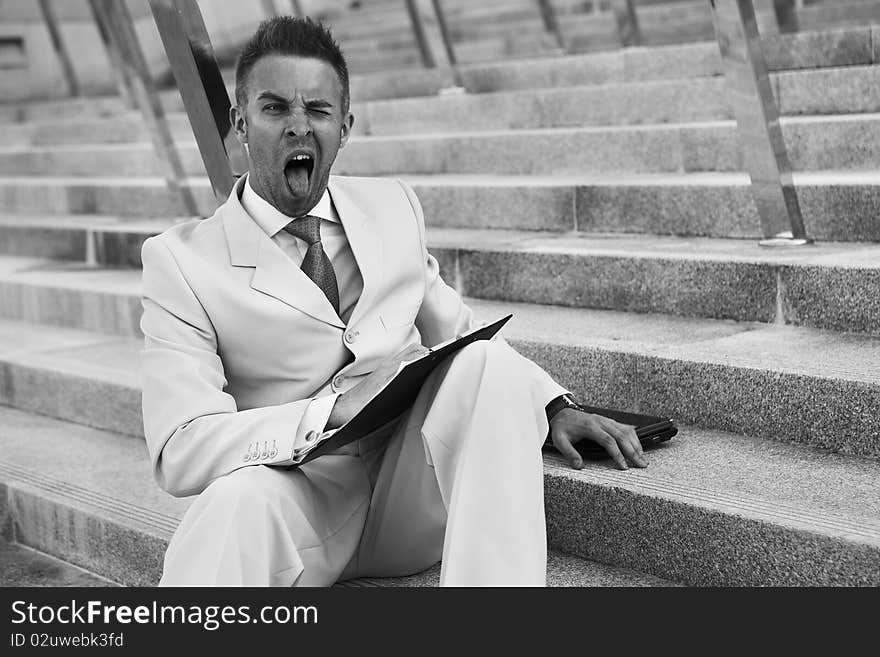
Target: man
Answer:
pixel 278 318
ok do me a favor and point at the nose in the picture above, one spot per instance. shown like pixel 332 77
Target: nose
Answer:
pixel 298 125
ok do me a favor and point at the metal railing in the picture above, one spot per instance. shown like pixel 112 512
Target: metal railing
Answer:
pixel 206 100
pixel 757 117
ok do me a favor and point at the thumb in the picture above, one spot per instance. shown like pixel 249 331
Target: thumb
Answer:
pixel 571 455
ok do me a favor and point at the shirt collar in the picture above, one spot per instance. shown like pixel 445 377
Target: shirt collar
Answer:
pixel 272 220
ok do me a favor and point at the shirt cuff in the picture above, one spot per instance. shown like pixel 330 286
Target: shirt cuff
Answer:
pixel 311 426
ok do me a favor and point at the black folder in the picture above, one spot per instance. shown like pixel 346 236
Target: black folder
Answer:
pixel 400 393
pixel 650 429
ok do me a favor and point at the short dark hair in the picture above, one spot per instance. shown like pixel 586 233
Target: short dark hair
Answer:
pixel 289 35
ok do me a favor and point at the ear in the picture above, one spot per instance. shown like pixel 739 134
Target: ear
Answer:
pixel 347 124
pixel 239 123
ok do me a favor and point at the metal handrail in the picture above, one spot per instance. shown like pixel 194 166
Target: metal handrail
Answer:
pixel 202 88
pixel 119 28
pixel 59 46
pixel 757 116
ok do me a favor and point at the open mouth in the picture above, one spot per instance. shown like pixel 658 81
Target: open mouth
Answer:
pixel 298 172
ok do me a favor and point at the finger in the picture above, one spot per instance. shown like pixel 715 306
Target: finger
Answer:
pixel 628 442
pixel 631 447
pixel 570 454
pixel 610 444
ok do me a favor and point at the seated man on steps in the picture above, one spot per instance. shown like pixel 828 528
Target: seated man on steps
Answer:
pixel 279 317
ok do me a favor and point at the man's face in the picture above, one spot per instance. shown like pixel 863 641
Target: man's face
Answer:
pixel 293 125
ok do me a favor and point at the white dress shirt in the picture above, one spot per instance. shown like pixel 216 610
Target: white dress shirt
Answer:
pixel 348 278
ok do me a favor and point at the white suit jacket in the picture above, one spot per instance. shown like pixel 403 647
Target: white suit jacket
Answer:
pixel 238 340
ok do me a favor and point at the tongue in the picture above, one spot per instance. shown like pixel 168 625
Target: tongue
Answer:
pixel 298 179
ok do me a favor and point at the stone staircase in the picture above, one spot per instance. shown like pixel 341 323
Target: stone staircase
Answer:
pixel 378 35
pixel 599 197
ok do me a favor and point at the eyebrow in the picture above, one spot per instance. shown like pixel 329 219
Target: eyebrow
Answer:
pixel 268 95
pixel 316 102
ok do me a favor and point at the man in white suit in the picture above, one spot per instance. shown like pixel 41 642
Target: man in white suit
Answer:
pixel 273 322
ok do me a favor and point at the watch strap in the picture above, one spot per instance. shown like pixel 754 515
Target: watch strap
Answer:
pixel 561 402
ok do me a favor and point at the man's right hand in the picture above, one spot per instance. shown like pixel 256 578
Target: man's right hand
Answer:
pixel 350 403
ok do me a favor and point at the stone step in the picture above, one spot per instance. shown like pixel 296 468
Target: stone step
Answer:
pixel 852 90
pixel 836 205
pixel 711 509
pixel 833 286
pixel 24 566
pixel 813 143
pixel 92 501
pixel 828 48
pixel 787 383
pixel 841 90
pixel 850 12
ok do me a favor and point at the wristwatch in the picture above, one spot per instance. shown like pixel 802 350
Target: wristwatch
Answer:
pixel 556 405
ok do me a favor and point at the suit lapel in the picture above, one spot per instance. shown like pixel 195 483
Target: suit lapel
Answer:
pixel 365 242
pixel 274 273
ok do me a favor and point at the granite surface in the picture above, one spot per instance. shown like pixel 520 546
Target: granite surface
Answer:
pixel 711 509
pixel 22 566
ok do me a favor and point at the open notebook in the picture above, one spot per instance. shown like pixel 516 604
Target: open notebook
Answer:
pixel 398 395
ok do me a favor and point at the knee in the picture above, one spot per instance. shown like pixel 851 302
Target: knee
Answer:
pixel 247 492
pixel 482 351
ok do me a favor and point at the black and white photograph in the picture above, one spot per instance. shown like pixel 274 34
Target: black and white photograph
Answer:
pixel 374 294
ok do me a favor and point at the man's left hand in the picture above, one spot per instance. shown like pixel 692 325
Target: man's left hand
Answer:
pixel 569 426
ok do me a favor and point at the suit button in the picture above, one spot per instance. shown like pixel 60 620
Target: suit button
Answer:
pixel 311 436
pixel 338 381
pixel 351 336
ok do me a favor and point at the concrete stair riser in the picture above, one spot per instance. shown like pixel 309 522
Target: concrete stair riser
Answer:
pixel 698 546
pixel 837 297
pixel 831 286
pixel 616 516
pixel 99 542
pixel 54 524
pixel 837 210
pixel 831 414
pixel 844 47
pixel 721 383
pixel 812 144
pixel 111 406
pixel 840 209
pixel 844 90
pixel 101 312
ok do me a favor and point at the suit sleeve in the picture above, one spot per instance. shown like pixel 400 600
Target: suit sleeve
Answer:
pixel 443 314
pixel 194 430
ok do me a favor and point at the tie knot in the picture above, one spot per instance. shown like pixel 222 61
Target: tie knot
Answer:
pixel 306 228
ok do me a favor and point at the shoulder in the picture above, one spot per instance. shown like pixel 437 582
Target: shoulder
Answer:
pixel 193 234
pixel 364 184
pixel 382 197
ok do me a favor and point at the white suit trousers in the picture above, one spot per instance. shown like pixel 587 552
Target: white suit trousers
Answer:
pixel 460 476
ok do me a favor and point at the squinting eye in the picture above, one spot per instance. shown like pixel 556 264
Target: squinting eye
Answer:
pixel 274 107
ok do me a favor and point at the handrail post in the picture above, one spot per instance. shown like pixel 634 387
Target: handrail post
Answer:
pixel 757 117
pixel 433 38
pixel 59 46
pixel 627 23
pixel 120 28
pixel 202 89
pixel 114 56
pixel 551 23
